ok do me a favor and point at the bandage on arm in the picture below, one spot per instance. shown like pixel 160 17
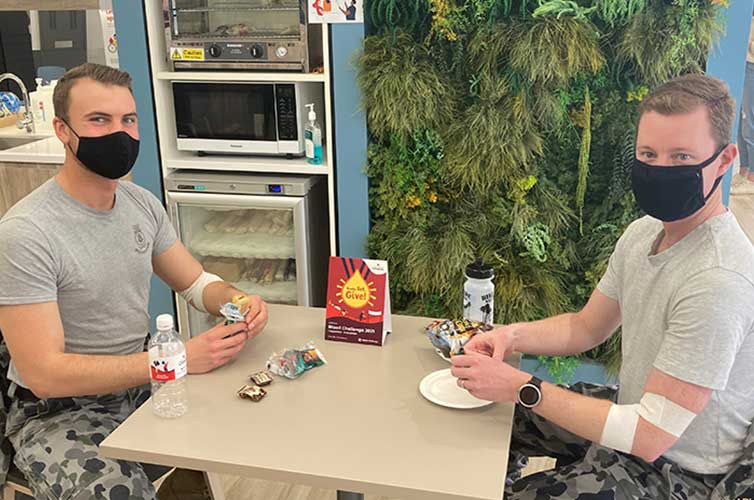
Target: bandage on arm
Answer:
pixel 622 420
pixel 194 294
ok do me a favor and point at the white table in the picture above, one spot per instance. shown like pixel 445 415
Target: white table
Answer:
pixel 357 424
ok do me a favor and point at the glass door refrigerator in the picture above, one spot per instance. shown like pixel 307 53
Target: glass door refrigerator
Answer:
pixel 268 236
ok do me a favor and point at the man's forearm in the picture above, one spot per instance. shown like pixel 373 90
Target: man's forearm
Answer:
pixel 579 414
pixel 557 336
pixel 216 294
pixel 582 415
pixel 69 375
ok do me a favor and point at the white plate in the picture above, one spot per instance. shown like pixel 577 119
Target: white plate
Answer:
pixel 441 388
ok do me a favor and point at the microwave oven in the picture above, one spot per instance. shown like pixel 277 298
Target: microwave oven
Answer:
pixel 257 118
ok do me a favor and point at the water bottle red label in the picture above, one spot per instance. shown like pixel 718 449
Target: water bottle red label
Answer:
pixel 165 369
pixel 162 376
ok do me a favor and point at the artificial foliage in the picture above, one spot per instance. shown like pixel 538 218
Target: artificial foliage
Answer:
pixel 504 129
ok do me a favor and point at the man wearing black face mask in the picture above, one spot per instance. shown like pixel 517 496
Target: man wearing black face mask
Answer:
pixel 681 285
pixel 76 259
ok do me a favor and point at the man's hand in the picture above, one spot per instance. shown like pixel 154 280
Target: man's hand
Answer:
pixel 215 347
pixel 256 316
pixel 497 343
pixel 488 378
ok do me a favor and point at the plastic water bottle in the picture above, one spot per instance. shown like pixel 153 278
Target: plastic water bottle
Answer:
pixel 479 293
pixel 167 367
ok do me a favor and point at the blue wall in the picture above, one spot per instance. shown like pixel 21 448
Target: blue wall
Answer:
pixel 728 60
pixel 134 58
pixel 350 142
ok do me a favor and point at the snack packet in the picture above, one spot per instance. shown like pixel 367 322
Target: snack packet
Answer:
pixel 261 378
pixel 292 363
pixel 252 392
pixel 231 313
pixel 235 310
pixel 449 336
pixel 243 302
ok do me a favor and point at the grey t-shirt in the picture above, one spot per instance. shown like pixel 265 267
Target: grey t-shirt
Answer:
pixel 689 312
pixel 95 264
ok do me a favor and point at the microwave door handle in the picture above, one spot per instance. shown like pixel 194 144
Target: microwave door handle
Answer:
pixel 275 110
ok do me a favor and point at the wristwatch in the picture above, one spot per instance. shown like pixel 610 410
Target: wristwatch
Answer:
pixel 530 394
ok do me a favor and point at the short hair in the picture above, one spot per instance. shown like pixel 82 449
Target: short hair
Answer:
pixel 97 72
pixel 686 93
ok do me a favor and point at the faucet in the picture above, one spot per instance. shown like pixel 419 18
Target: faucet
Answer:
pixel 28 120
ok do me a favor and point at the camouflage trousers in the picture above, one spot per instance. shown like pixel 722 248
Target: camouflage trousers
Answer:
pixel 588 471
pixel 56 444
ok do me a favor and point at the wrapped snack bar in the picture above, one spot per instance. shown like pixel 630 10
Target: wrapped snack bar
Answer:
pixel 235 310
pixel 449 336
pixel 252 392
pixel 261 378
pixel 292 363
pixel 231 313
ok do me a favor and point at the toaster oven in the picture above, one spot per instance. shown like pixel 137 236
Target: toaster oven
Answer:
pixel 249 34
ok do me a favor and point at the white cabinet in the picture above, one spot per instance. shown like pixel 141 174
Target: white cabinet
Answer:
pixel 173 159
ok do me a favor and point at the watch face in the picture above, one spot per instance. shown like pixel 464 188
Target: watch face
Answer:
pixel 529 395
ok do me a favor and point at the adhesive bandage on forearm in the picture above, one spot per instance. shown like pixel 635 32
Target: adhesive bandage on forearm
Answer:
pixel 194 294
pixel 622 420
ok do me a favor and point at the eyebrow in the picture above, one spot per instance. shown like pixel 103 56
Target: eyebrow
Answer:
pixel 107 115
pixel 674 150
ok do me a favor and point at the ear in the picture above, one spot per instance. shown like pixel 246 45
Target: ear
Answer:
pixel 726 158
pixel 61 130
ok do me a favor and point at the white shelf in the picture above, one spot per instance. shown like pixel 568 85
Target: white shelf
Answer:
pixel 271 164
pixel 244 246
pixel 162 73
pixel 241 76
pixel 279 292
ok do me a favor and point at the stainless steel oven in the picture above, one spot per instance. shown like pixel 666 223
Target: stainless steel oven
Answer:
pixel 248 34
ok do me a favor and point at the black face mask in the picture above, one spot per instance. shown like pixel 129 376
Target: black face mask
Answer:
pixel 671 193
pixel 112 155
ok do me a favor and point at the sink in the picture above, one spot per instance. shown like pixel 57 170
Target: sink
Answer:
pixel 12 142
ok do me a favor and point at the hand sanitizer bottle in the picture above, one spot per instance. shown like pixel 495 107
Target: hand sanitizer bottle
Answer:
pixel 313 138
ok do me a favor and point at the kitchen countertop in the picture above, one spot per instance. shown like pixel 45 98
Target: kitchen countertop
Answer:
pixel 48 149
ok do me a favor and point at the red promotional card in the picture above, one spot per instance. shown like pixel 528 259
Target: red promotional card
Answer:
pixel 358 301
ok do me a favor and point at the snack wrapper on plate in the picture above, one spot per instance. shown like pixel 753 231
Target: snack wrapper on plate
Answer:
pixel 449 336
pixel 292 363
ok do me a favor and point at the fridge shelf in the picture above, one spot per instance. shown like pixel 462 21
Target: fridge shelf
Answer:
pixel 241 246
pixel 280 292
pixel 259 222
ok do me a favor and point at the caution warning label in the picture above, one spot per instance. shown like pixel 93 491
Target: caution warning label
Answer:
pixel 193 54
pixel 186 54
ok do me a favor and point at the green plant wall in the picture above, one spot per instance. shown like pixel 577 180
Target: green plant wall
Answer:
pixel 504 129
